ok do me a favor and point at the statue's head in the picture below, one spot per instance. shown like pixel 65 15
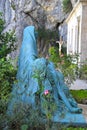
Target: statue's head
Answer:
pixel 30 30
pixel 29 47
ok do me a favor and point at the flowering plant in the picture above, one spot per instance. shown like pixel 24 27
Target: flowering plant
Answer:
pixel 44 96
pixel 48 104
pixel 46 92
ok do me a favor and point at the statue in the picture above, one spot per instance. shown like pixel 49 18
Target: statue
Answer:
pixel 34 73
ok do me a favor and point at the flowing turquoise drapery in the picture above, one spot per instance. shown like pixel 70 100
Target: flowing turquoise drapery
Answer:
pixel 27 86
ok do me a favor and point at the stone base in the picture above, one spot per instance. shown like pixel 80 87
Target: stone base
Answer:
pixel 72 119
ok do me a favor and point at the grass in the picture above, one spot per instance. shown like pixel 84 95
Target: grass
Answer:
pixel 79 95
pixel 71 128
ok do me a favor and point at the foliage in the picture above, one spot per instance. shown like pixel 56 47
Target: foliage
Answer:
pixel 25 118
pixel 7 76
pixel 77 128
pixel 7 71
pixel 79 95
pixel 45 100
pixel 66 64
pixel 83 71
pixel 13 6
pixel 24 127
pixel 53 55
pixel 47 35
pixel 48 103
pixel 34 120
pixel 67 6
pixel 45 94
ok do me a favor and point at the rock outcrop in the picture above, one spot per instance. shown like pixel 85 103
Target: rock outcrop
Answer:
pixel 40 13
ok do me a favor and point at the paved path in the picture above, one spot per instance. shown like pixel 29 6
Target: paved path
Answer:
pixel 79 84
pixel 84 107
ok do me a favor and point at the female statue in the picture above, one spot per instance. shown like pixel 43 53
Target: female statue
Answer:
pixel 33 73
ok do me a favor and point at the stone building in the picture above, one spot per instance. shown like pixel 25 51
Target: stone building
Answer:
pixel 77 30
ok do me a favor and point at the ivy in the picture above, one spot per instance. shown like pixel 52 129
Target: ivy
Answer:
pixel 67 6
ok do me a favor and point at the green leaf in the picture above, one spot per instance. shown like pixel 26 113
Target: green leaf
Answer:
pixel 24 127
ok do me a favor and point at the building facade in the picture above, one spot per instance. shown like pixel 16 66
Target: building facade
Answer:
pixel 77 30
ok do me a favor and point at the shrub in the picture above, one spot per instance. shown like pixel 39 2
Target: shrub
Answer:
pixel 7 71
pixel 83 71
pixel 65 63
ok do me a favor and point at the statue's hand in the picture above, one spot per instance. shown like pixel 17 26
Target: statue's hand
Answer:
pixel 76 110
pixel 73 102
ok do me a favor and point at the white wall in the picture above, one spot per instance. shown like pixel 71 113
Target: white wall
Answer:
pixel 84 33
pixel 73 40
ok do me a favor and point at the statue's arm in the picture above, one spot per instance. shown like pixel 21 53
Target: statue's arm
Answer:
pixel 66 101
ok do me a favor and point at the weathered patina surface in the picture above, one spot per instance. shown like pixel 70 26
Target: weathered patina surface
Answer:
pixel 38 77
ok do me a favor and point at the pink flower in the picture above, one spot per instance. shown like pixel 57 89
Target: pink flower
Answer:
pixel 46 92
